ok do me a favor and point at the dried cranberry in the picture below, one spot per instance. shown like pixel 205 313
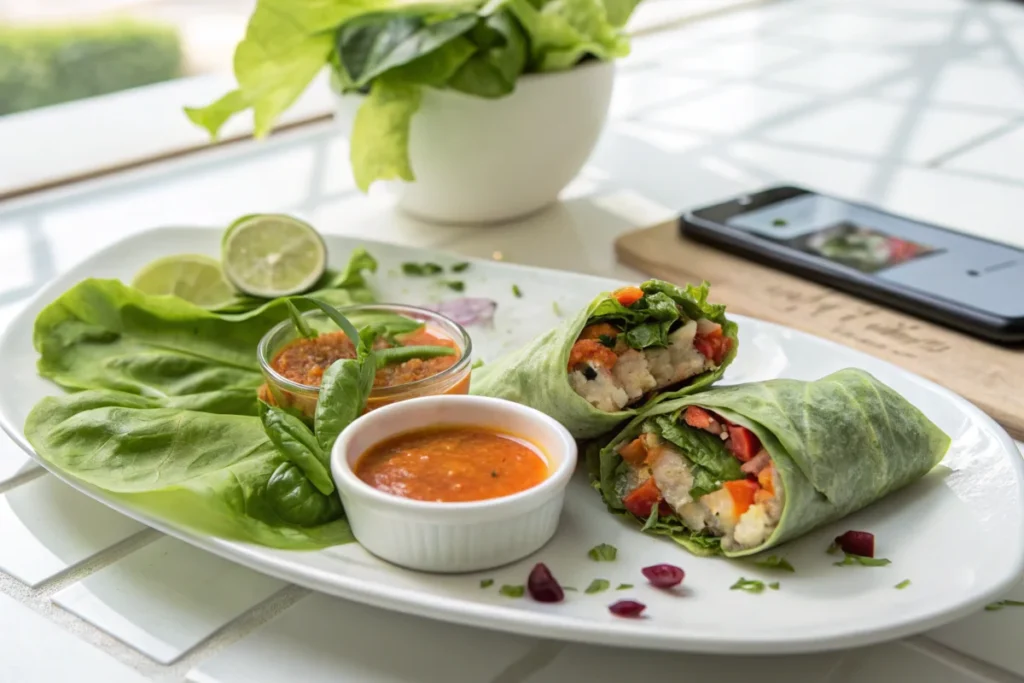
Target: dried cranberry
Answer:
pixel 627 608
pixel 857 543
pixel 543 586
pixel 664 575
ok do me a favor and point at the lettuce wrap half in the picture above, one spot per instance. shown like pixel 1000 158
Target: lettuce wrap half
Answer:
pixel 626 349
pixel 737 470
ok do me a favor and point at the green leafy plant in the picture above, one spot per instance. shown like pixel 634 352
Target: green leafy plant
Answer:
pixel 390 50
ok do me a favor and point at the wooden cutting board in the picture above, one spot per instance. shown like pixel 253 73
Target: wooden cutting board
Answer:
pixel 990 376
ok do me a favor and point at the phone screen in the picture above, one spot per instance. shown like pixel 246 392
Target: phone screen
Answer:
pixel 844 233
pixel 913 255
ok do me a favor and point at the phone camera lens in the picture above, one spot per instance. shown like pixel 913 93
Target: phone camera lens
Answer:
pixel 973 273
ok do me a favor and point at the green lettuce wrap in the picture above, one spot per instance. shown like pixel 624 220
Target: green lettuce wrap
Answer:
pixel 737 470
pixel 624 350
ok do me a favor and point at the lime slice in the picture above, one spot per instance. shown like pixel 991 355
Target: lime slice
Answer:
pixel 272 255
pixel 193 277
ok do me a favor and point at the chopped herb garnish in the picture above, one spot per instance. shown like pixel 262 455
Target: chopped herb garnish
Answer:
pixel 624 586
pixel 996 606
pixel 486 583
pixel 597 586
pixel 421 269
pixel 748 585
pixel 862 561
pixel 556 308
pixel 779 222
pixel 478 363
pixel 570 588
pixel 512 591
pixel 455 285
pixel 518 292
pixel 775 562
pixel 459 267
pixel 652 519
pixel 902 584
pixel 606 341
pixel 833 549
pixel 774 585
pixel 603 553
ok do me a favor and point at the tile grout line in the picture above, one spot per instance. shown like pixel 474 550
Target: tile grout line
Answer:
pixel 236 630
pixel 958 660
pixel 20 479
pixel 994 134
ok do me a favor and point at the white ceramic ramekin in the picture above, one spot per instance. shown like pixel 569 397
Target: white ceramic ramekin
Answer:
pixel 453 537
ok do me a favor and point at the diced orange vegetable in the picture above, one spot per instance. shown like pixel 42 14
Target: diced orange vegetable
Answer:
pixel 742 492
pixel 634 452
pixel 598 330
pixel 627 296
pixel 764 478
pixel 697 417
pixel 591 351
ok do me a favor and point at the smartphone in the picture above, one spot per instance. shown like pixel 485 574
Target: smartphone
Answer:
pixel 971 284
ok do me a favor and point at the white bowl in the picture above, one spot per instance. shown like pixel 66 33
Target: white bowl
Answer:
pixel 453 537
pixel 480 160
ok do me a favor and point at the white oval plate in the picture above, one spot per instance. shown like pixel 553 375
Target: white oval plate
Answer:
pixel 957 535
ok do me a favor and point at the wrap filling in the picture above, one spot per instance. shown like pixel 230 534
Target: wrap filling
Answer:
pixel 712 475
pixel 641 342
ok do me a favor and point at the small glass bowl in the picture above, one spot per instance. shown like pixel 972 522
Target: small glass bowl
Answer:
pixel 300 399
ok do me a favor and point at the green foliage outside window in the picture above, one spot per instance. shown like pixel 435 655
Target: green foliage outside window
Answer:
pixel 47 65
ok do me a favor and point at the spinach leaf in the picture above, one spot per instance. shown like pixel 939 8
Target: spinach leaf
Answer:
pixel 658 306
pixel 610 310
pixel 297 501
pixel 373 44
pixel 344 391
pixel 346 385
pixel 500 48
pixel 693 300
pixel 648 335
pixel 297 444
pixel 352 277
pixel 437 68
pixel 702 448
pixel 704 482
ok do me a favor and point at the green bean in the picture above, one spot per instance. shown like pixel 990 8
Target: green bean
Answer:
pixel 400 354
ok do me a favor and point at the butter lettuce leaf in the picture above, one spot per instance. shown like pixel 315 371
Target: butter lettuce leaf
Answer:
pixel 103 334
pixel 379 148
pixel 211 472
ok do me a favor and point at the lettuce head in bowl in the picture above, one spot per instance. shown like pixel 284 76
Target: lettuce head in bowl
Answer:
pixel 486 110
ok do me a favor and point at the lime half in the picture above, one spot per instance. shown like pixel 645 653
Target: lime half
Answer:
pixel 193 277
pixel 272 255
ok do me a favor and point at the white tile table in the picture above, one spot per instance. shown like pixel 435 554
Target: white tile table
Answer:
pixel 916 105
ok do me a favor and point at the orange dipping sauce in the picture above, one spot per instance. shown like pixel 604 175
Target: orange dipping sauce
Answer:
pixel 452 464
